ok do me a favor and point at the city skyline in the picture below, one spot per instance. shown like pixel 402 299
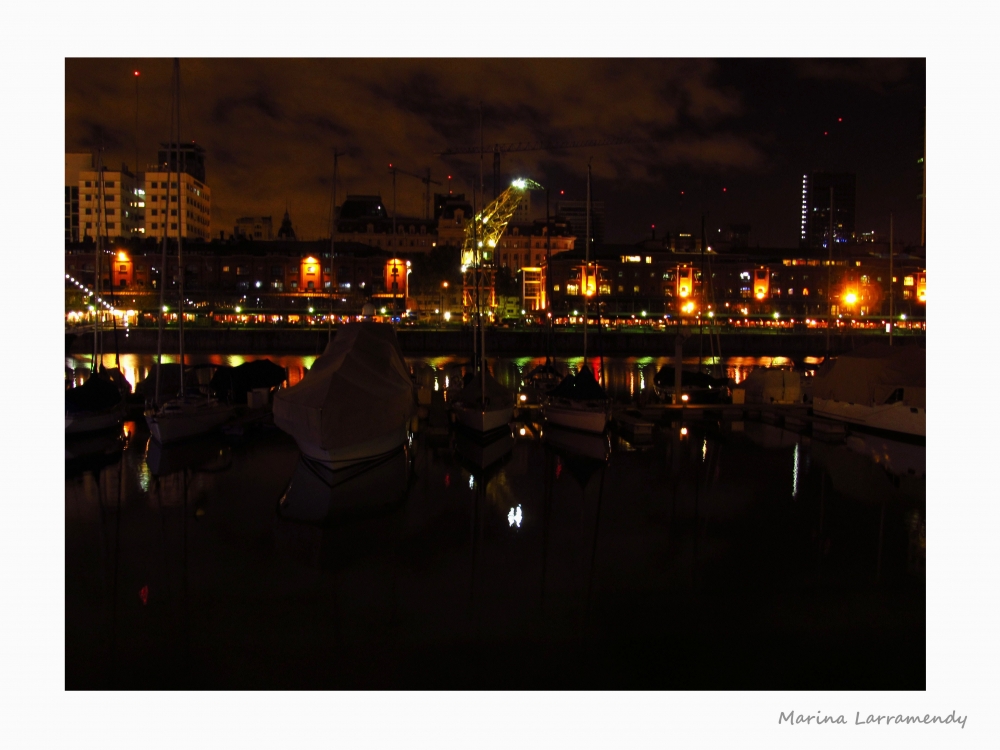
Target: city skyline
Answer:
pixel 727 138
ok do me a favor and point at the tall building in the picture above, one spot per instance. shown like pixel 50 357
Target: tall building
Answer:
pixel 575 213
pixel 112 203
pixel 192 159
pixel 75 163
pixel 187 203
pixel 815 218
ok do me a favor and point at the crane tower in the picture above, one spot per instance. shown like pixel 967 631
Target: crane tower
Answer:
pixel 478 249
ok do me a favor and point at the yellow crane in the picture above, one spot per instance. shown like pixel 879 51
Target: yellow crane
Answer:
pixel 479 247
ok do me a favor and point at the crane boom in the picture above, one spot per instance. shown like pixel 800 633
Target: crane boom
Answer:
pixel 504 148
pixel 481 237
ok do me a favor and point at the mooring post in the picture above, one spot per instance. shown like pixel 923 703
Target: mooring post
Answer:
pixel 678 362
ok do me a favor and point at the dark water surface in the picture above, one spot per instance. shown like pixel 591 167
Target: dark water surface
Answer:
pixel 721 555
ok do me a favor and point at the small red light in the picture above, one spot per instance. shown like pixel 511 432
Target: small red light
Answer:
pixel 144 594
pixel 137 72
pixel 562 192
pixel 723 190
pixel 447 480
pixel 682 192
pixel 840 119
pixel 826 133
pixel 449 177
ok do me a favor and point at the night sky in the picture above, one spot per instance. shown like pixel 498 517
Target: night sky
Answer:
pixel 735 136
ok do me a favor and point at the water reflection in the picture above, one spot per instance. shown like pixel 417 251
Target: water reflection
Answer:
pixel 233 563
pixel 626 379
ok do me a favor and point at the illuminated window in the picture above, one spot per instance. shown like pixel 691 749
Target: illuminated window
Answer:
pixel 805 292
pixel 907 281
pixel 123 268
pixel 604 288
pixel 635 289
pixel 572 289
pixel 555 288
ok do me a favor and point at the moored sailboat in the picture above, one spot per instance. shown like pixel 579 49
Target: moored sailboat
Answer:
pixel 188 414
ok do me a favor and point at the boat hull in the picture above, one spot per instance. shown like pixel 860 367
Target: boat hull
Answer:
pixel 92 421
pixel 338 458
pixel 477 420
pixel 200 419
pixel 577 416
pixel 897 417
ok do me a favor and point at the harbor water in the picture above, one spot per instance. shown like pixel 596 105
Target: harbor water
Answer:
pixel 718 554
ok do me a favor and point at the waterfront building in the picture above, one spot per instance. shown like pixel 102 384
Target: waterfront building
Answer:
pixel 364 219
pixel 187 203
pixel 75 163
pixel 525 245
pixel 111 203
pixel 253 228
pixel 629 279
pixel 815 217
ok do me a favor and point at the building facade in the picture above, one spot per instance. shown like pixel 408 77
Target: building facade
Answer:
pixel 177 201
pixel 111 204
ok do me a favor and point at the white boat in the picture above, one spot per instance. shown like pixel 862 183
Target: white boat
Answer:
pixel 186 417
pixel 876 387
pixel 355 403
pixel 481 415
pixel 478 419
pixel 578 403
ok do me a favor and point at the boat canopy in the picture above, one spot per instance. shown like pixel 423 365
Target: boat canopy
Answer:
pixel 875 374
pixel 472 392
pixel 580 387
pixel 358 390
pixel 97 393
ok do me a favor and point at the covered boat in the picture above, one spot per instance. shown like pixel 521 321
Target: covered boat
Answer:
pixel 95 405
pixel 355 403
pixel 877 386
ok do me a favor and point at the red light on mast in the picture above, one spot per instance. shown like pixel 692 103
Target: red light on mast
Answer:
pixel 136 73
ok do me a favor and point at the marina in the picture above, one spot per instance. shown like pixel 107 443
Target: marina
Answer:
pixel 685 548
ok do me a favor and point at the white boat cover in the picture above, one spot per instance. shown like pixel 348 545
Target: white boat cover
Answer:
pixel 358 390
pixel 870 375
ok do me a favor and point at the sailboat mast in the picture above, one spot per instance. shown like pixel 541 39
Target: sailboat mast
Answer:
pixel 164 275
pixel 180 209
pixel 586 269
pixel 97 264
pixel 333 252
pixel 892 322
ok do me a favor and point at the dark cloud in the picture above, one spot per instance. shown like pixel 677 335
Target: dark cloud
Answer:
pixel 270 127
